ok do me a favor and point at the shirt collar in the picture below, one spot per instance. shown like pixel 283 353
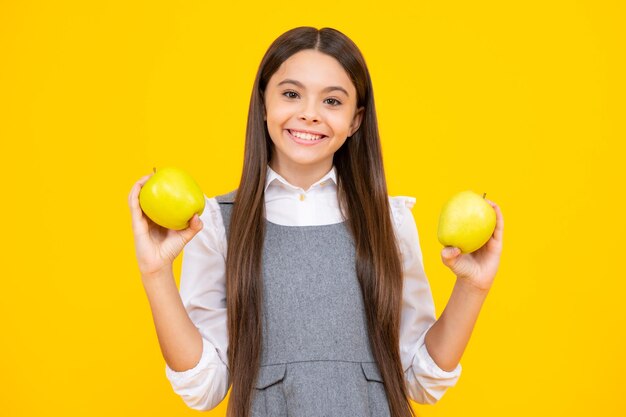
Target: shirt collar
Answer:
pixel 273 176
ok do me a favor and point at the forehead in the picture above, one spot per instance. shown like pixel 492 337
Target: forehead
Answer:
pixel 315 70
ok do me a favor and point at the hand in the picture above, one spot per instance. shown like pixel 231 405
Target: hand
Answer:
pixel 156 247
pixel 479 267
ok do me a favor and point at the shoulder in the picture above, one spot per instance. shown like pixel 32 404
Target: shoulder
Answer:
pixel 211 212
pixel 406 230
pixel 213 232
pixel 400 207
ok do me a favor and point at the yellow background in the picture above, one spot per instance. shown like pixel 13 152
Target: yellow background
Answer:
pixel 524 101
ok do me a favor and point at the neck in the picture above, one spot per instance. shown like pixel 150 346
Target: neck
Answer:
pixel 302 175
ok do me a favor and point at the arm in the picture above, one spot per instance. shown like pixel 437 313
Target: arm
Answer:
pixel 156 248
pixel 191 326
pixel 447 339
pixel 179 339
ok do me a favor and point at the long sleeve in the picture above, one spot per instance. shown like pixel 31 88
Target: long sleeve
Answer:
pixel 426 382
pixel 202 290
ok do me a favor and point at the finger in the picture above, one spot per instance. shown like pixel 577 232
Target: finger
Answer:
pixel 449 255
pixel 133 196
pixel 145 178
pixel 498 233
pixel 139 183
pixel 140 224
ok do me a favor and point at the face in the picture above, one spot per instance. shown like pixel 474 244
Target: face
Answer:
pixel 310 105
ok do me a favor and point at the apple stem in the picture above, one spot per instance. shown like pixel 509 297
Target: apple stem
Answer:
pixel 154 169
pixel 484 195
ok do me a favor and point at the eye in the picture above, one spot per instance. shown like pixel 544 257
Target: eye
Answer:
pixel 292 94
pixel 334 100
pixel 287 94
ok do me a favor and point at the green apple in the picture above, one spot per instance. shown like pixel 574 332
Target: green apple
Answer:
pixel 467 221
pixel 170 198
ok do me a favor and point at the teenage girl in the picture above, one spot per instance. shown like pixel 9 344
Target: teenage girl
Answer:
pixel 304 290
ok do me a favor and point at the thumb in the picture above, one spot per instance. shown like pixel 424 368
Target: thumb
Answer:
pixel 449 255
pixel 195 225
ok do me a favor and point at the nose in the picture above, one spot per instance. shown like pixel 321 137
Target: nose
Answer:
pixel 307 117
pixel 309 113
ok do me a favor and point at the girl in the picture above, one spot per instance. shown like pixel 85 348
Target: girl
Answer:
pixel 304 288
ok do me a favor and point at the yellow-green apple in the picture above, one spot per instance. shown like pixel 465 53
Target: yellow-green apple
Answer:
pixel 170 198
pixel 467 221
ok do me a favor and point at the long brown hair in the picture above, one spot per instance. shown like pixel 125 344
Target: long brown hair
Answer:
pixel 362 194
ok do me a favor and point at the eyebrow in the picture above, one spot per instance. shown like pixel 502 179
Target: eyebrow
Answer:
pixel 327 89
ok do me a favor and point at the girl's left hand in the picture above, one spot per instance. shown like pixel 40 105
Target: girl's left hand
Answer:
pixel 479 267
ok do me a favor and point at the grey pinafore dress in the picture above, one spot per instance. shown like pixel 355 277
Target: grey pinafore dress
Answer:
pixel 316 359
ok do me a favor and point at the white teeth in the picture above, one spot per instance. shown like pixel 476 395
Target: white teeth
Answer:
pixel 305 136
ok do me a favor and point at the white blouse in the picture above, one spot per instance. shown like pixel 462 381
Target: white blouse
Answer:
pixel 202 290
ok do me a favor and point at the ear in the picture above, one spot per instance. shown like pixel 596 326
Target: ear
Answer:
pixel 356 122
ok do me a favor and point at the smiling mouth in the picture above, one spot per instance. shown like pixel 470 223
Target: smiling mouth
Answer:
pixel 305 136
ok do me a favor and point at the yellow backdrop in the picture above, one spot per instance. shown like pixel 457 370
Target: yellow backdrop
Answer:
pixel 523 101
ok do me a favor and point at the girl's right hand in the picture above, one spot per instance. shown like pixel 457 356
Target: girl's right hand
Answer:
pixel 156 247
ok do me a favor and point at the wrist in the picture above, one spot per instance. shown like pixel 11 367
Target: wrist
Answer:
pixel 467 286
pixel 163 274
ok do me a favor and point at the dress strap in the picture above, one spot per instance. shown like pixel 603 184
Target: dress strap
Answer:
pixel 227 198
pixel 225 203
